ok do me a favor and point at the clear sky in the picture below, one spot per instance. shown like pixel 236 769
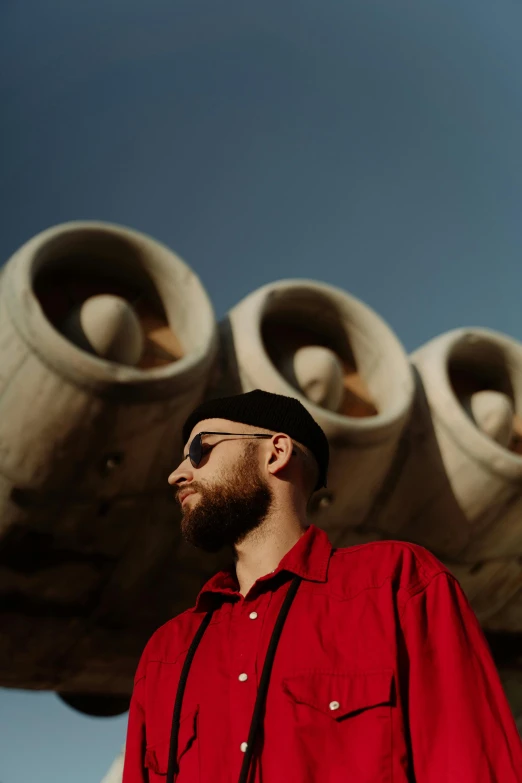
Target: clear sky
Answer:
pixel 374 145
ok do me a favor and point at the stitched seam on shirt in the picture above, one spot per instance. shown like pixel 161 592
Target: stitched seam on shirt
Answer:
pixel 140 704
pixel 420 585
pixel 350 597
pixel 406 544
pixel 169 663
pixel 419 592
pixel 336 673
pixel 215 621
pixel 419 564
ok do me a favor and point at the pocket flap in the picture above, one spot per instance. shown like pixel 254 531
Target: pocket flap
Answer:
pixel 157 755
pixel 339 694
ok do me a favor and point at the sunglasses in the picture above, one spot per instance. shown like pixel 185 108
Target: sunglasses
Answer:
pixel 197 449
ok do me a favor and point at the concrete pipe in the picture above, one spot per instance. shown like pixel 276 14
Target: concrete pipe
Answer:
pixel 472 379
pixel 102 358
pixel 333 353
pixel 473 384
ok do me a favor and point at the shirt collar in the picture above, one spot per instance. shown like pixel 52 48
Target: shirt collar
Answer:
pixel 308 558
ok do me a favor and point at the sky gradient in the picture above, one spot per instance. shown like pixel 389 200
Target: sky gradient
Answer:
pixel 372 145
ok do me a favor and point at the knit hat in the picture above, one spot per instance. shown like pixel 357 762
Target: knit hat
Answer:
pixel 273 412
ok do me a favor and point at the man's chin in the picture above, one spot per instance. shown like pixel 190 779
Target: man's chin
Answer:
pixel 199 538
pixel 210 547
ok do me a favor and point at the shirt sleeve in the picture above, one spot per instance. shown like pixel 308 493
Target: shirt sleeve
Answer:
pixel 133 767
pixel 461 729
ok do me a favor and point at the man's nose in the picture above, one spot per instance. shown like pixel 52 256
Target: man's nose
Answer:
pixel 183 474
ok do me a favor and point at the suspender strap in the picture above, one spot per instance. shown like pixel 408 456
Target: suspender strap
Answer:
pixel 173 751
pixel 265 678
pixel 261 692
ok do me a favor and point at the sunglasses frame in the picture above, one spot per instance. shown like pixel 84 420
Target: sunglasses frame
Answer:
pixel 195 452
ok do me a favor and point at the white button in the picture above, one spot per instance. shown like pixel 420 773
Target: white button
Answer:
pixel 253 615
pixel 334 705
pixel 244 746
pixel 243 677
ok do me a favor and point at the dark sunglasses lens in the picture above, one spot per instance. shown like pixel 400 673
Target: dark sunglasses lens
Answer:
pixel 195 451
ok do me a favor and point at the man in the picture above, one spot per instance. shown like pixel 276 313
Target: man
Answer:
pixel 303 663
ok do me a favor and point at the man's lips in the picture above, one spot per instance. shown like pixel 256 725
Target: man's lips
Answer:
pixel 184 495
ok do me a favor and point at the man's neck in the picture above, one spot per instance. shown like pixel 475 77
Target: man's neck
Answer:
pixel 264 548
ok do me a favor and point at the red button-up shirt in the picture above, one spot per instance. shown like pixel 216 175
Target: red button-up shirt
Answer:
pixel 381 675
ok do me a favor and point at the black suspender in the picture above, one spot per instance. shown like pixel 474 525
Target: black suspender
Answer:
pixel 262 691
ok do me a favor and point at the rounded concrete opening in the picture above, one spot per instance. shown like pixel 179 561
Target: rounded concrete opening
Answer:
pixel 111 309
pixel 334 351
pixel 82 267
pixel 485 375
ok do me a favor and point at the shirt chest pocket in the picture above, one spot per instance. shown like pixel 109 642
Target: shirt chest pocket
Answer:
pixel 157 753
pixel 340 695
pixel 342 724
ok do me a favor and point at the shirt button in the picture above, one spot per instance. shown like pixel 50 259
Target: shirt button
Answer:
pixel 242 677
pixel 244 746
pixel 253 615
pixel 334 705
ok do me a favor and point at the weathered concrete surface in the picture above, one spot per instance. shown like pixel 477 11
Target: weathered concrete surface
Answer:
pixel 88 524
pixel 107 341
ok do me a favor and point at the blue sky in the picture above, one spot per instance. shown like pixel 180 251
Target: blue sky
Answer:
pixel 372 145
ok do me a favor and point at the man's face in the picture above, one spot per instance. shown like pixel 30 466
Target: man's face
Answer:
pixel 226 496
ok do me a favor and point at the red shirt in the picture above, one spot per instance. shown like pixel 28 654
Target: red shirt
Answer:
pixel 381 675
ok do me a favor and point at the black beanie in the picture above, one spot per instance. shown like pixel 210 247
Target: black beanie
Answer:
pixel 273 412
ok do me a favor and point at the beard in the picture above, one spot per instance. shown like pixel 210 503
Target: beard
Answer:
pixel 227 511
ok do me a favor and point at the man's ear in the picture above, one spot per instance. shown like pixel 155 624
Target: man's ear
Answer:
pixel 281 448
